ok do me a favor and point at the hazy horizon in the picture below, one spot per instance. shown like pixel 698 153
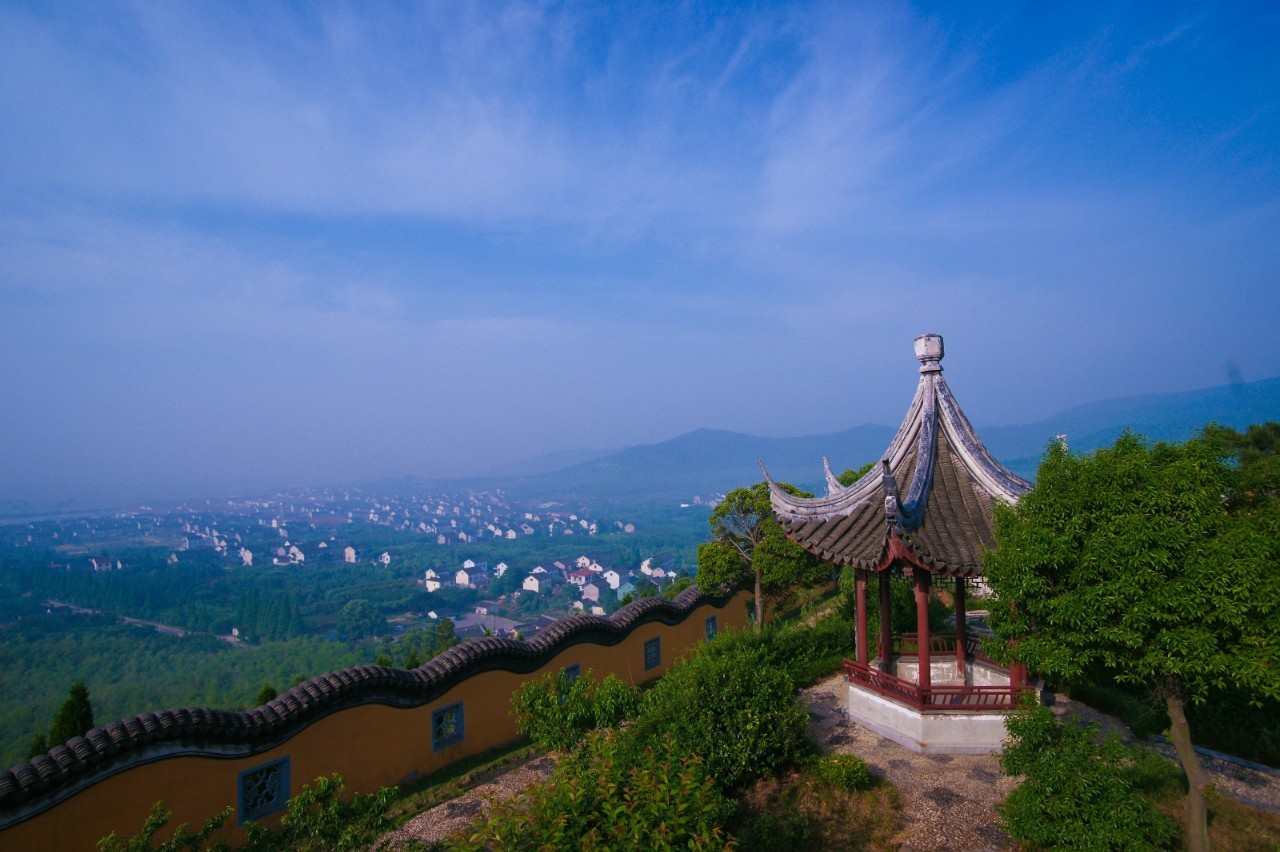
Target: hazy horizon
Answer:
pixel 270 245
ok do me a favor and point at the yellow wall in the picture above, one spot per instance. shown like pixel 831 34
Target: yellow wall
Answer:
pixel 371 746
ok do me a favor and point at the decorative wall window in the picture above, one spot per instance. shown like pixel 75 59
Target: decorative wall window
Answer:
pixel 573 672
pixel 652 653
pixel 446 726
pixel 711 628
pixel 262 790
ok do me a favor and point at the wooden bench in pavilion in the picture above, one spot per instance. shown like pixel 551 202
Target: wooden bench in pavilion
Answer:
pixel 924 510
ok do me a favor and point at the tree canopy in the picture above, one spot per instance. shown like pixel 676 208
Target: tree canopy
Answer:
pixel 359 619
pixel 851 475
pixel 746 538
pixel 1156 561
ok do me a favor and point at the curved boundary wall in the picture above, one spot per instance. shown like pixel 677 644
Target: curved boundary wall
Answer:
pixel 376 726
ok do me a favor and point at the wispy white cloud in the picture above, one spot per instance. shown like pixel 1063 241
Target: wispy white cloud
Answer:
pixel 406 210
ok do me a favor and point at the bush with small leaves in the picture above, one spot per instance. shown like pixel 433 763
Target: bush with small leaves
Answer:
pixel 157 819
pixel 1076 793
pixel 733 707
pixel 556 710
pixel 594 800
pixel 318 820
pixel 845 771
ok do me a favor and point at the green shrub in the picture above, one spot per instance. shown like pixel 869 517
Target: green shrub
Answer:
pixel 594 800
pixel 782 828
pixel 1077 793
pixel 157 819
pixel 317 820
pixel 556 711
pixel 845 771
pixel 730 705
pixel 804 653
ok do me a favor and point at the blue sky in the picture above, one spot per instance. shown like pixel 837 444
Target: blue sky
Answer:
pixel 250 244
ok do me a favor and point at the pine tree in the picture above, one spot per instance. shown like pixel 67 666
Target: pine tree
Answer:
pixel 75 716
pixel 39 745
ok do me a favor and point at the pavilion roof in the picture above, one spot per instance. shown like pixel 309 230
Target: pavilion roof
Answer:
pixel 930 498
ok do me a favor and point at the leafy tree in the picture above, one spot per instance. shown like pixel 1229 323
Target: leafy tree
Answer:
pixel 1259 443
pixel 359 619
pixel 264 695
pixel 412 661
pixel 747 538
pixel 39 745
pixel 74 717
pixel 851 476
pixel 446 638
pixel 1149 560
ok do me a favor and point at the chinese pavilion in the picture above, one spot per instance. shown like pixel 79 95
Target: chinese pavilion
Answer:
pixel 925 510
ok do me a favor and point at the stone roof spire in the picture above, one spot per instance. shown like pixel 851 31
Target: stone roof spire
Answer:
pixel 929 353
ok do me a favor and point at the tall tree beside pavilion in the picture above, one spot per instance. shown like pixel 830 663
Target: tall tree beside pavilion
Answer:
pixel 746 538
pixel 1157 561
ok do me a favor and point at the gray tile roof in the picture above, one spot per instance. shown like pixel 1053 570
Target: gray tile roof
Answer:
pixel 933 491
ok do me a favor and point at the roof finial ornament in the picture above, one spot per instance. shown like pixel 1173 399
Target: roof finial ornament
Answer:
pixel 929 353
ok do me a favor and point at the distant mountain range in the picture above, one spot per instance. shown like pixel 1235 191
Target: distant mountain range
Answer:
pixel 707 461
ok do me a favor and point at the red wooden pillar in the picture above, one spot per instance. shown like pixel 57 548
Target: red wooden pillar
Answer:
pixel 924 582
pixel 961 627
pixel 886 627
pixel 864 653
pixel 1018 675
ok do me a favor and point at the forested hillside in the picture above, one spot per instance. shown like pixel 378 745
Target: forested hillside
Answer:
pixel 68 585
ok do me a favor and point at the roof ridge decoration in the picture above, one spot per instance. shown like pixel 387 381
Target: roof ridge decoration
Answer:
pixel 33 786
pixel 934 431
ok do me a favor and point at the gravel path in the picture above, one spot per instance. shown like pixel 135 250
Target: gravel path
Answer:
pixel 433 825
pixel 948 801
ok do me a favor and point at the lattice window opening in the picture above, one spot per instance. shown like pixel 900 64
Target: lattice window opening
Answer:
pixel 711 628
pixel 447 726
pixel 263 790
pixel 652 653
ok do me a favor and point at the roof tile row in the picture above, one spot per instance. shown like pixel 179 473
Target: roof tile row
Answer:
pixel 115 746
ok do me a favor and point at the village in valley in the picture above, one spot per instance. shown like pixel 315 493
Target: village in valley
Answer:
pixel 481 559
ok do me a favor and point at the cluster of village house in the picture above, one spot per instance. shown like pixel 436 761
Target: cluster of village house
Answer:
pixel 592 579
pixel 252 531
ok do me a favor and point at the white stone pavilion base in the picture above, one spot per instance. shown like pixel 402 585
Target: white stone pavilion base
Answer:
pixel 973 732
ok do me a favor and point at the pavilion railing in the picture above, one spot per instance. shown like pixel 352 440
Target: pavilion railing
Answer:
pixel 937 699
pixel 940 645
